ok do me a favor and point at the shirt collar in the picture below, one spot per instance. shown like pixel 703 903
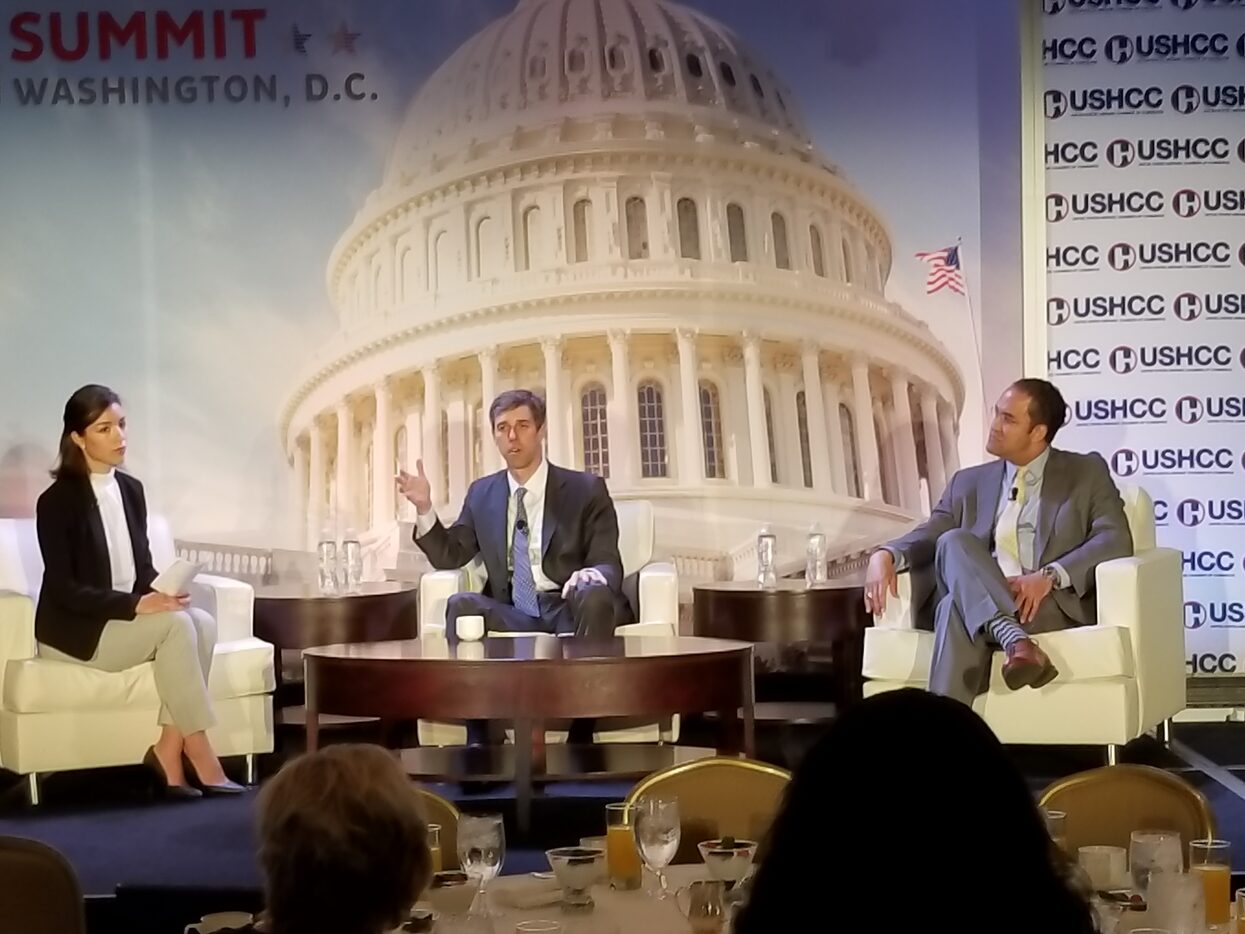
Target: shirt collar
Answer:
pixel 107 478
pixel 535 485
pixel 1035 469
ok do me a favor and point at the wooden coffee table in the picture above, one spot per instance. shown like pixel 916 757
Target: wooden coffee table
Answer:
pixel 531 679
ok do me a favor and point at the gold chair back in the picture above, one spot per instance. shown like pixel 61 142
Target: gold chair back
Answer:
pixel 718 797
pixel 1104 806
pixel 438 810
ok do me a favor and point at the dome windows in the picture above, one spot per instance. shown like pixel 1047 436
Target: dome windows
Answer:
pixel 656 61
pixel 536 67
pixel 728 74
pixel 575 61
pixel 616 58
pixel 694 66
pixel 756 87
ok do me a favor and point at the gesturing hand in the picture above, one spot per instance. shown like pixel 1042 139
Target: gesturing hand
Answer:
pixel 1029 590
pixel 880 579
pixel 582 576
pixel 155 602
pixel 415 487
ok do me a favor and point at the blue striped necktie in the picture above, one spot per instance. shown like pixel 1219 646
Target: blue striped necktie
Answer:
pixel 522 582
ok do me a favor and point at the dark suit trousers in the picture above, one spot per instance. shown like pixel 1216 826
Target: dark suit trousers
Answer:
pixel 968 591
pixel 591 611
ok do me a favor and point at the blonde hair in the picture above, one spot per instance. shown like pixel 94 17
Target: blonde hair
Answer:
pixel 343 843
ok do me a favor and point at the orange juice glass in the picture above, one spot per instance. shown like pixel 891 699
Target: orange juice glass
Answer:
pixel 622 859
pixel 1212 861
pixel 434 846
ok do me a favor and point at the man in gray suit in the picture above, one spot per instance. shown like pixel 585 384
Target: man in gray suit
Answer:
pixel 1010 549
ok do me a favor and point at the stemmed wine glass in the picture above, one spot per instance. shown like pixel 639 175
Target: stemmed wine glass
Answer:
pixel 657 831
pixel 481 850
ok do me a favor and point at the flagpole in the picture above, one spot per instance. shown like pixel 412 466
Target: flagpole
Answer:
pixel 972 321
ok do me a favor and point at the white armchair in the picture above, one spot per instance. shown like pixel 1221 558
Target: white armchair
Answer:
pixel 658 615
pixel 56 716
pixel 1117 680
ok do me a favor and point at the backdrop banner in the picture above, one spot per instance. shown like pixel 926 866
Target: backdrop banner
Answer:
pixel 1145 207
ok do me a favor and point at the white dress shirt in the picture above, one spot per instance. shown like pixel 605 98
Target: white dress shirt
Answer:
pixel 534 506
pixel 116 530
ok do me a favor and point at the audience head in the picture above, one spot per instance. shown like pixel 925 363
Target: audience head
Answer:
pixel 910 805
pixel 92 432
pixel 1026 419
pixel 518 418
pixel 343 843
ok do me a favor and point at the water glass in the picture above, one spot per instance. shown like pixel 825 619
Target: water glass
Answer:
pixel 539 927
pixel 1057 827
pixel 1240 911
pixel 1151 851
pixel 1106 866
pixel 657 832
pixel 622 858
pixel 1211 860
pixel 1177 902
pixel 481 848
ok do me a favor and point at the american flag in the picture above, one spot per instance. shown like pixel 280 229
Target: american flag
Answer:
pixel 944 270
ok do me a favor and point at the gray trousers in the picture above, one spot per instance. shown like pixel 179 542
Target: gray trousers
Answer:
pixel 967 591
pixel 180 645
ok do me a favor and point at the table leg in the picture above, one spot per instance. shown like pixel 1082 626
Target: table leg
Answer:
pixel 523 773
pixel 748 675
pixel 728 735
pixel 311 724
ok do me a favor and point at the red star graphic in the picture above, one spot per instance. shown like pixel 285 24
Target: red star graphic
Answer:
pixel 343 39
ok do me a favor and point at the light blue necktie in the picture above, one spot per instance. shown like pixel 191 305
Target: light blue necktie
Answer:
pixel 522 583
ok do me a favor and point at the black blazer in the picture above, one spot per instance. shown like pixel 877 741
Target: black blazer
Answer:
pixel 580 530
pixel 77 598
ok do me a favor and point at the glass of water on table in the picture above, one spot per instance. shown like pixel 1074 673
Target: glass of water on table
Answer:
pixel 657 833
pixel 1150 852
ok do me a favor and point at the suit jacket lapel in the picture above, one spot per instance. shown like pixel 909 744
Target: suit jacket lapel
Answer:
pixel 988 493
pixel 552 486
pixel 1054 494
pixel 496 504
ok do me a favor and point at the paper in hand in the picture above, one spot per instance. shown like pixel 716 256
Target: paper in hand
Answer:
pixel 174 579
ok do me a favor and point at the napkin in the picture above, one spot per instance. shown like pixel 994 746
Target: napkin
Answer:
pixel 532 893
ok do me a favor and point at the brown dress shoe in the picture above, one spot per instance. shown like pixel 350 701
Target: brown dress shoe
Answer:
pixel 1028 665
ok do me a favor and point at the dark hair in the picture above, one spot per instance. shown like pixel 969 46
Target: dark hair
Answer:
pixel 1046 405
pixel 511 399
pixel 81 411
pixel 343 842
pixel 909 802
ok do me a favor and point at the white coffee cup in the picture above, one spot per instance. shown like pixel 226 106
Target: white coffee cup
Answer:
pixel 1106 866
pixel 470 628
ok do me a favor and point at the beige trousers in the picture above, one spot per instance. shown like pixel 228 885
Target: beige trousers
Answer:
pixel 180 645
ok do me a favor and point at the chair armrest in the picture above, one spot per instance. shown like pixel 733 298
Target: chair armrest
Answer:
pixel 17 629
pixel 1145 595
pixel 231 602
pixel 659 594
pixel 662 630
pixel 435 588
pixel 900 612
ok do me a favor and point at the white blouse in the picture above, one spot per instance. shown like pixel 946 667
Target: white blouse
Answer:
pixel 116 530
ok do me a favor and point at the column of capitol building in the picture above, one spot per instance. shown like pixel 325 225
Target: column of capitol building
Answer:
pixel 618 205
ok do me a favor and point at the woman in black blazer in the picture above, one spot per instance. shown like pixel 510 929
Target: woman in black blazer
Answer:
pixel 96 606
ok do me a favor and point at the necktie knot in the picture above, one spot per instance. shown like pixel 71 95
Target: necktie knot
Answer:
pixel 519 493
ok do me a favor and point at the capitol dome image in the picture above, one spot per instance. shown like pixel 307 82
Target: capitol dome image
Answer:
pixel 617 204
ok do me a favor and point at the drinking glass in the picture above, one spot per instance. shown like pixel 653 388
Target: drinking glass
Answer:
pixel 1240 911
pixel 657 835
pixel 434 846
pixel 481 849
pixel 1057 827
pixel 1151 851
pixel 1177 902
pixel 538 927
pixel 1211 860
pixel 622 858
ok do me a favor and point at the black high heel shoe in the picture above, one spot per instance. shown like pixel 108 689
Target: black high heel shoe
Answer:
pixel 175 792
pixel 227 788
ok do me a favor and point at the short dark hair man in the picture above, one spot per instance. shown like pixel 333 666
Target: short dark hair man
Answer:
pixel 1010 550
pixel 548 536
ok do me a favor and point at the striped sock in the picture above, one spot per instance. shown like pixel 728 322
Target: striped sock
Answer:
pixel 1006 632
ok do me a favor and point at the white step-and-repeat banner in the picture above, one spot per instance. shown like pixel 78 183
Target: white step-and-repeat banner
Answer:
pixel 1145 209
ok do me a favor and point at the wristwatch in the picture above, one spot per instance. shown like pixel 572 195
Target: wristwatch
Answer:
pixel 1050 574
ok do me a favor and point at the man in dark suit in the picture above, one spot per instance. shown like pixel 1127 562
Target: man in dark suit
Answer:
pixel 1010 550
pixel 548 537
